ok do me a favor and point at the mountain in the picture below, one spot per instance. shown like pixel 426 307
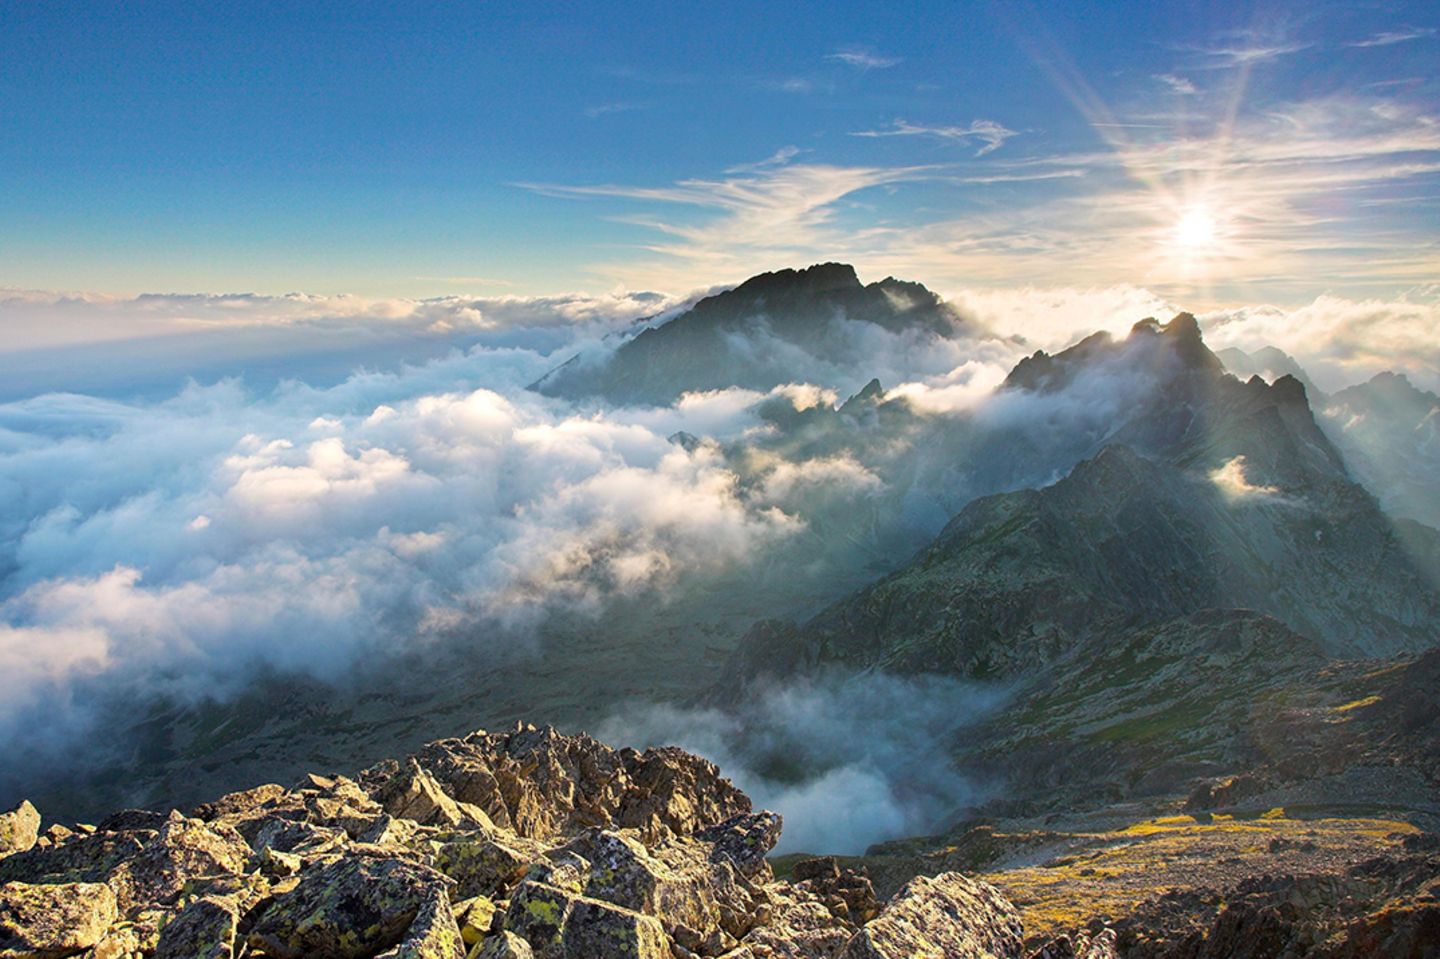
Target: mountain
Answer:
pixel 1386 429
pixel 1269 363
pixel 758 334
pixel 1213 642
pixel 1208 493
pixel 1389 432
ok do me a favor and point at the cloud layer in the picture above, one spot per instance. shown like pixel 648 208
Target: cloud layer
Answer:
pixel 847 760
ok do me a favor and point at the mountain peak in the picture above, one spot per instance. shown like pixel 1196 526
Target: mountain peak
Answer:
pixel 871 395
pixel 820 278
pixel 728 339
pixel 1181 338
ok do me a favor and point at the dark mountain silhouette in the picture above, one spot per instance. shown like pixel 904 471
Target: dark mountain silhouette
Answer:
pixel 739 337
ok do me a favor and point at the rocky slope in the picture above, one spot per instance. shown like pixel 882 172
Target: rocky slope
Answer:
pixel 740 337
pixel 1387 430
pixel 1215 494
pixel 1311 829
pixel 502 846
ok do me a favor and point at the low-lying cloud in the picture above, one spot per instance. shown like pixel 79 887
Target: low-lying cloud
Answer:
pixel 848 760
pixel 179 544
pixel 1339 341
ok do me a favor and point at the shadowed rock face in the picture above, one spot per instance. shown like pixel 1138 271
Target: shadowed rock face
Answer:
pixel 728 339
pixel 1389 432
pixel 521 844
pixel 1212 494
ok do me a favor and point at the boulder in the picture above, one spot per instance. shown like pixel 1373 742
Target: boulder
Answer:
pixel 356 906
pixel 19 828
pixel 414 794
pixel 434 934
pixel 936 918
pixel 205 929
pixel 486 866
pixel 504 945
pixel 558 923
pixel 744 841
pixel 53 920
pixel 186 856
pixel 1081 946
pixel 474 917
pixel 80 858
pixel 623 872
pixel 595 928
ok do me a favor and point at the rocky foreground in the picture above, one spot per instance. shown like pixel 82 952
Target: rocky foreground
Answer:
pixel 503 846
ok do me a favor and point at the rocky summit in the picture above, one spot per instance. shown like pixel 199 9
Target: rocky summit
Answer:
pixel 503 846
pixel 753 335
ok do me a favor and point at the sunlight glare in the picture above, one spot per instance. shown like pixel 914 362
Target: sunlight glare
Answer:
pixel 1196 229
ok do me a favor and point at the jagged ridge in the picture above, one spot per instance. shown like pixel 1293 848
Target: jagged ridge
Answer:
pixel 521 844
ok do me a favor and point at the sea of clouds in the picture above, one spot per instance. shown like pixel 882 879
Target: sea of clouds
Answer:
pixel 197 489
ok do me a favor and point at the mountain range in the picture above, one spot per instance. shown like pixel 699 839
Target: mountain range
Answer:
pixel 1205 596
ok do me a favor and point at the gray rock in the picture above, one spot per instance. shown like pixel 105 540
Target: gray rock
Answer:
pixel 942 917
pixel 53 920
pixel 19 828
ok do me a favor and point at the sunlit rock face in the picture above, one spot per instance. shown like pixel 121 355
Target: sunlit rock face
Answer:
pixel 527 843
pixel 742 337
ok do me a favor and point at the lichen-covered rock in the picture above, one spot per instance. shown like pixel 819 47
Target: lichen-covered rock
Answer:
pixel 522 845
pixel 935 918
pixel 187 856
pixel 796 924
pixel 595 928
pixel 1080 946
pixel 80 858
pixel 353 907
pixel 560 923
pixel 1409 930
pixel 541 784
pixel 53 920
pixel 434 934
pixel 205 929
pixel 474 917
pixel 237 805
pixel 537 914
pixel 304 839
pixel 414 794
pixel 19 828
pixel 485 866
pixel 623 872
pixel 503 945
pixel 847 893
pixel 744 841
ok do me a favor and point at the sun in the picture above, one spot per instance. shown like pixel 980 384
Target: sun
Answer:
pixel 1196 229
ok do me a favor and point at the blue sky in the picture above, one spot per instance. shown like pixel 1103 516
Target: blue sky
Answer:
pixel 1219 153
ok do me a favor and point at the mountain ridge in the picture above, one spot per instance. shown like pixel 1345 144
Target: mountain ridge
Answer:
pixel 724 339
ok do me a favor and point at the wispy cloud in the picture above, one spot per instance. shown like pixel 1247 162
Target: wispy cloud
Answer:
pixel 780 157
pixel 863 59
pixel 989 133
pixel 605 109
pixel 790 85
pixel 1246 49
pixel 751 219
pixel 1390 37
pixel 1177 84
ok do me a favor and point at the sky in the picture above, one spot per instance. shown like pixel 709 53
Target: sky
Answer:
pixel 274 278
pixel 1217 154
